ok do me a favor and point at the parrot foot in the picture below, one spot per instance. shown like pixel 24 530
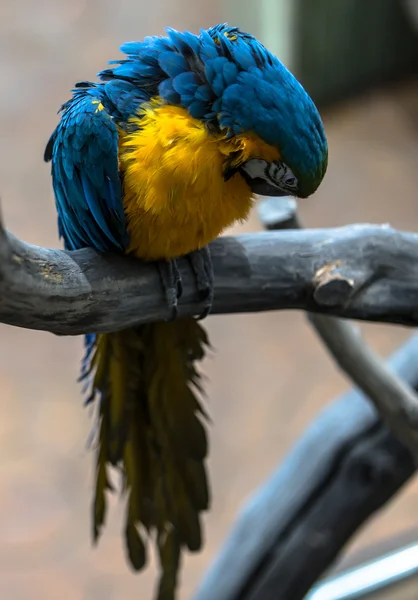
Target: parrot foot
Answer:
pixel 201 262
pixel 171 280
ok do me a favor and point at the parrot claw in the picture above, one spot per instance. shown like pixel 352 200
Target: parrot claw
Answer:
pixel 201 262
pixel 173 288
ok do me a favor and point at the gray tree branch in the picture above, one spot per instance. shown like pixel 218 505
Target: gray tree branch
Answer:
pixel 360 271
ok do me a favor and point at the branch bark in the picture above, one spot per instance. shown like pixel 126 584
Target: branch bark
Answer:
pixel 344 468
pixel 361 271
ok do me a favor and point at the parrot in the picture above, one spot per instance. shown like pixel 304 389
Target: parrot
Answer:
pixel 168 148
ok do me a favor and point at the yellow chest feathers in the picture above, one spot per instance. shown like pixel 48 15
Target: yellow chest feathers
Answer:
pixel 175 196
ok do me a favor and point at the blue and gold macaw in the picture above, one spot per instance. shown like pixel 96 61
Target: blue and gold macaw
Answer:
pixel 156 160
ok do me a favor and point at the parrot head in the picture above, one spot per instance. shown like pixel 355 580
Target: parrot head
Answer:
pixel 230 81
pixel 256 93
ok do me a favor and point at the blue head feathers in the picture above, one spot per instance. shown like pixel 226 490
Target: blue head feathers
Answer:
pixel 228 79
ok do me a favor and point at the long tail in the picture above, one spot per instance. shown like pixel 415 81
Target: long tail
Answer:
pixel 150 425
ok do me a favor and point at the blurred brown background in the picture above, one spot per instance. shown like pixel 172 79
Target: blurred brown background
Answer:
pixel 270 374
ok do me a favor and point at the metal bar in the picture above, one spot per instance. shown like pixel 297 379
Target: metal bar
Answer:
pixel 373 576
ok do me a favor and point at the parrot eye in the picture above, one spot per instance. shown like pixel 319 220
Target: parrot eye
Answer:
pixel 281 175
pixel 269 178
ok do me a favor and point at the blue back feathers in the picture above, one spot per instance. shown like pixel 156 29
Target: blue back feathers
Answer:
pixel 231 81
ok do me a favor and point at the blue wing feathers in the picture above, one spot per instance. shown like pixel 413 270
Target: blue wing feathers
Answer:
pixel 84 154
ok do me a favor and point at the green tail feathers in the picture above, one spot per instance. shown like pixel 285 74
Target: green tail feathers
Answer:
pixel 151 427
